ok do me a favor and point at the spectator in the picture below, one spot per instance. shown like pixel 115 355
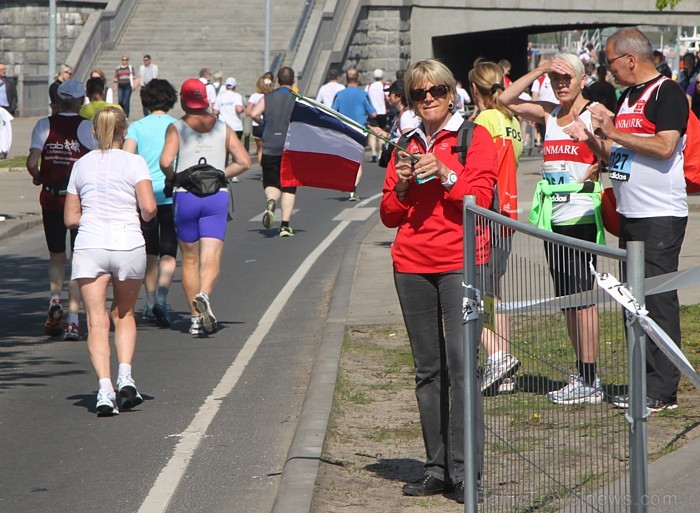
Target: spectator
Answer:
pixel 661 65
pixel 205 78
pixel 108 93
pixel 424 202
pixel 506 65
pixel 689 71
pixel 147 72
pixel 64 73
pixel 649 187
pixel 601 90
pixel 8 91
pixel 94 90
pixel 375 90
pixel 100 204
pixel 126 81
pixel 692 92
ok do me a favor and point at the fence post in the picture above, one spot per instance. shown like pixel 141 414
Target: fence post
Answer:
pixel 471 343
pixel 637 414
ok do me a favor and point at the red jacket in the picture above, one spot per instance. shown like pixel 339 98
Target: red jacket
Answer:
pixel 429 220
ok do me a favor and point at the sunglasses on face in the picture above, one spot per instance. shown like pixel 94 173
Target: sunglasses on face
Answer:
pixel 436 91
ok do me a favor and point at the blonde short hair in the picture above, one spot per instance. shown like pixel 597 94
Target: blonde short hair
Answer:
pixel 429 70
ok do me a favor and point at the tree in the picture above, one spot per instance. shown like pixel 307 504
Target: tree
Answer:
pixel 662 4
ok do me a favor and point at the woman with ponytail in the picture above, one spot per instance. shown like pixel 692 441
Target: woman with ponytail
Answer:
pixel 108 190
pixel 486 80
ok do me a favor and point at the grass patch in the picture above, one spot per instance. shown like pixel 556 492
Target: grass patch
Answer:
pixel 14 162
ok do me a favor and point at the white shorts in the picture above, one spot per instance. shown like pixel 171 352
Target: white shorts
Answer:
pixel 122 265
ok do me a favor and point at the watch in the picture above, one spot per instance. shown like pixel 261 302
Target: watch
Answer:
pixel 451 179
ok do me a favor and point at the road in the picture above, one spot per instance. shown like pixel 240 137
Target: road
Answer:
pixel 219 411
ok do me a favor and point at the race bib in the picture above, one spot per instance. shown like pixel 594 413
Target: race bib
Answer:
pixel 620 163
pixel 555 174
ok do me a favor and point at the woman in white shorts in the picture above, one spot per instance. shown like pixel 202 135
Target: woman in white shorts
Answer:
pixel 107 189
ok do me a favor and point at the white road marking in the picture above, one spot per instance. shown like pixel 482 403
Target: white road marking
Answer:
pixel 167 482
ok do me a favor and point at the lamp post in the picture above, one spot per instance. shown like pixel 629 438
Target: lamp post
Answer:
pixel 52 41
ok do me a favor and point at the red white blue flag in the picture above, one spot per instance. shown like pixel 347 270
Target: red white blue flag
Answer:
pixel 320 151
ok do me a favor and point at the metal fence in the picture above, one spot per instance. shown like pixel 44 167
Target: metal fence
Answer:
pixel 554 442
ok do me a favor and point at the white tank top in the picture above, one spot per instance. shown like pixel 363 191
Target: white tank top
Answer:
pixel 566 161
pixel 646 186
pixel 195 145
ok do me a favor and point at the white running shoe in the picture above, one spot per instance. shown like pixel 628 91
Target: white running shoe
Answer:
pixel 269 215
pixel 577 392
pixel 196 327
pixel 203 306
pixel 496 371
pixel 128 393
pixel 106 404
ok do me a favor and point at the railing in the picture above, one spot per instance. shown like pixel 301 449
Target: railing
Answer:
pixel 547 450
pixel 102 30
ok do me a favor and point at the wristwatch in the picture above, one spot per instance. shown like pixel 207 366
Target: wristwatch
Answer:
pixel 451 179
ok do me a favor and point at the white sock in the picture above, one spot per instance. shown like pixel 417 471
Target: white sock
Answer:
pixel 106 385
pixel 72 317
pixel 54 299
pixel 124 369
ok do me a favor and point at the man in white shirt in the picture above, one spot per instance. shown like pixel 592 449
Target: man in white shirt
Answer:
pixel 205 78
pixel 378 98
pixel 147 72
pixel 228 107
pixel 327 91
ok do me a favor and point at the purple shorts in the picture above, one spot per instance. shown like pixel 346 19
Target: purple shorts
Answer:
pixel 197 218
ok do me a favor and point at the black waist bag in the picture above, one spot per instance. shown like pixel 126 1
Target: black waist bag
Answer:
pixel 202 179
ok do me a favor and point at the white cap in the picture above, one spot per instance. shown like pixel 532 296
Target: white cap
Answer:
pixel 378 73
pixel 231 82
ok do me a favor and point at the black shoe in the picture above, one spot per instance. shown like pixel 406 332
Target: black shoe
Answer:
pixel 427 485
pixel 458 493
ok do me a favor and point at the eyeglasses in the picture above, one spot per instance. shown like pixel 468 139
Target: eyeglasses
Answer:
pixel 125 59
pixel 610 61
pixel 436 91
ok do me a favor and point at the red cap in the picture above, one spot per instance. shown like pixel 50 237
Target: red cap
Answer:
pixel 194 94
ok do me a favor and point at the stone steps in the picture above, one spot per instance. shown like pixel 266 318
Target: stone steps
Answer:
pixel 184 36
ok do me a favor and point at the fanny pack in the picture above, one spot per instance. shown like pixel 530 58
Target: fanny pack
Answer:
pixel 202 180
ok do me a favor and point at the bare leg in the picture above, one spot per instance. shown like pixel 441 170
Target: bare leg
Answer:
pixel 287 205
pixel 122 311
pixel 150 279
pixel 57 272
pixel 166 271
pixel 582 326
pixel 190 271
pixel 209 263
pixel 94 292
pixel 500 340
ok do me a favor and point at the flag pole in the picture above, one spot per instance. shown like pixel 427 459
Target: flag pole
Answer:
pixel 351 122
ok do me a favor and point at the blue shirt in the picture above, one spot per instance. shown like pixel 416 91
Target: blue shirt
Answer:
pixel 149 134
pixel 354 103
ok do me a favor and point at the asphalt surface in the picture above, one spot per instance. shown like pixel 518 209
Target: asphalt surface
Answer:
pixel 355 275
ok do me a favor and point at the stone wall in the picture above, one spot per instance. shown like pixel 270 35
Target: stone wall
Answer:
pixel 381 39
pixel 24 38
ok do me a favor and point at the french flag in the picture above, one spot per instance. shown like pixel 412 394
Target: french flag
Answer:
pixel 320 151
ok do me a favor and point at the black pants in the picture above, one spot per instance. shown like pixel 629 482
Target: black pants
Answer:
pixel 662 237
pixel 432 310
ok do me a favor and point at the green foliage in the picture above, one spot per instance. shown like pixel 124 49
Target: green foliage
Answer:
pixel 663 4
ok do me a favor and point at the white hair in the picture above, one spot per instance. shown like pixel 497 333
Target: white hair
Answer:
pixel 574 61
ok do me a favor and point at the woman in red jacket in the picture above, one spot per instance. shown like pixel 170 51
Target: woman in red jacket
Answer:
pixel 424 201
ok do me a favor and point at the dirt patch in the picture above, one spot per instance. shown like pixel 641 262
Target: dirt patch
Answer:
pixel 374 444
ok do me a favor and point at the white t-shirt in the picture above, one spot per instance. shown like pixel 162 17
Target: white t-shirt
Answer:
pixel 408 121
pixel 226 104
pixel 105 182
pixel 211 90
pixel 464 98
pixel 254 99
pixel 327 92
pixel 376 94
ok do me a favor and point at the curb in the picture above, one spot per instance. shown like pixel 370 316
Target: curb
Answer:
pixel 296 488
pixel 10 228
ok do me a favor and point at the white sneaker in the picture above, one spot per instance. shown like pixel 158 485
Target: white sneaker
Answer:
pixel 196 326
pixel 203 306
pixel 130 397
pixel 577 392
pixel 507 386
pixel 496 371
pixel 106 404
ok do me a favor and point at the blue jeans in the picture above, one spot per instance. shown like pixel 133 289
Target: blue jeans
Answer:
pixel 124 97
pixel 432 310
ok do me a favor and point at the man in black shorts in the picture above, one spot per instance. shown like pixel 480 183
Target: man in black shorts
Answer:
pixel 277 107
pixel 59 141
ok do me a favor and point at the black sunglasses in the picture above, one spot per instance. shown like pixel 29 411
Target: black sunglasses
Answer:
pixel 436 91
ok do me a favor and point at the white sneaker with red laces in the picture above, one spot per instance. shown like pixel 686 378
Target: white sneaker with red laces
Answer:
pixel 71 331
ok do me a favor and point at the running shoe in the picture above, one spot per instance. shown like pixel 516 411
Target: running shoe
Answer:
pixel 507 386
pixel 286 231
pixel 147 314
pixel 235 179
pixel 52 326
pixel 203 306
pixel 71 331
pixel 106 404
pixel 373 158
pixel 196 327
pixel 353 197
pixel 577 392
pixel 496 371
pixel 269 215
pixel 653 405
pixel 130 397
pixel 161 312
